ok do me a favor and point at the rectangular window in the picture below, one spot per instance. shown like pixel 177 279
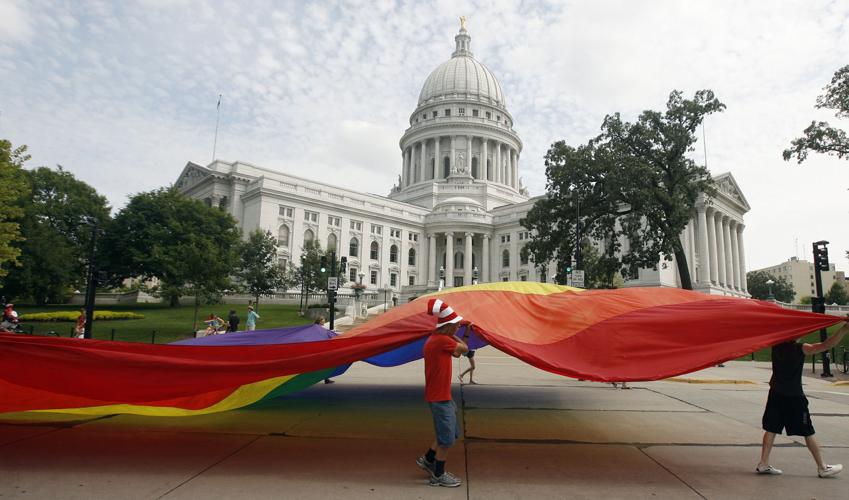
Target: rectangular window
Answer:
pixel 412 280
pixel 356 225
pixel 413 236
pixel 435 114
pixel 375 229
pixel 334 221
pixel 505 238
pixel 286 211
pixel 461 111
pixel 498 118
pixel 505 278
pixel 394 233
pixel 488 115
pixel 393 279
pixel 447 112
pixel 424 116
pixel 523 278
pixel 475 113
pixel 374 277
pixel 352 274
pixel 311 216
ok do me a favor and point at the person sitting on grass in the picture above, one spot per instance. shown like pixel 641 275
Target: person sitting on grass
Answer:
pixel 787 406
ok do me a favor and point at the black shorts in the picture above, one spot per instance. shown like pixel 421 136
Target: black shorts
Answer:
pixel 787 412
pixel 470 354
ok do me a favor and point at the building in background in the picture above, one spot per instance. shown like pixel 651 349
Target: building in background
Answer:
pixel 800 275
pixel 454 212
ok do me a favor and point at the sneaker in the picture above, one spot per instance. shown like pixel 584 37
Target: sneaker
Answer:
pixel 424 464
pixel 830 470
pixel 446 479
pixel 767 469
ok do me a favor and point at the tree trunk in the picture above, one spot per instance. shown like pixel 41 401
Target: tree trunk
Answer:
pixel 197 306
pixel 256 303
pixel 683 269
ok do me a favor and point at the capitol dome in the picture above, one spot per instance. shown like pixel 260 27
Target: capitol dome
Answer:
pixel 462 77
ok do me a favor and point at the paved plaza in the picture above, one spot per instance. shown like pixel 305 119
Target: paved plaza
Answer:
pixel 527 434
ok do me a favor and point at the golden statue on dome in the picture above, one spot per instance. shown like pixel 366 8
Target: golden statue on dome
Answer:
pixel 462 23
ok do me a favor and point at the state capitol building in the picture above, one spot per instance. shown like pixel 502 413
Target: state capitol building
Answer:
pixel 456 208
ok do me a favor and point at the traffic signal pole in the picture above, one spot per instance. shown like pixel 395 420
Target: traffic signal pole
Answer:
pixel 331 294
pixel 818 302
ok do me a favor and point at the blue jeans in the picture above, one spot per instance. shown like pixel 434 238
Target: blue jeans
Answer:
pixel 445 422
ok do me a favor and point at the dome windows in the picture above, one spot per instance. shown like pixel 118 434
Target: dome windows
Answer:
pixel 448 112
pixel 474 113
pixel 461 112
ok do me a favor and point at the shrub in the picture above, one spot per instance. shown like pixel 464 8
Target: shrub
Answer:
pixel 73 315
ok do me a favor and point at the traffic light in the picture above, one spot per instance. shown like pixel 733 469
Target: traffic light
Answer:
pixel 568 269
pixel 343 265
pixel 821 256
pixel 323 266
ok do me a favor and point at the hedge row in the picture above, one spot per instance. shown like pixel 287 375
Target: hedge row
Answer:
pixel 73 315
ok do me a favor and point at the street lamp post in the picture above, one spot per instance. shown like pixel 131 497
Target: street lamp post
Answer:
pixel 769 284
pixel 475 275
pixel 441 277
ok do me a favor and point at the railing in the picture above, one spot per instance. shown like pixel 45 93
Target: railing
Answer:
pixel 833 309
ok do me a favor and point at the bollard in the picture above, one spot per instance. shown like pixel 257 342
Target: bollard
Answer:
pixel 153 337
pixel 112 335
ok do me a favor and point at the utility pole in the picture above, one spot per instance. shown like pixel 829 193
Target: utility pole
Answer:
pixel 818 302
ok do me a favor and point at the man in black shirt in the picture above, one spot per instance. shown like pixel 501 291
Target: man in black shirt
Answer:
pixel 787 406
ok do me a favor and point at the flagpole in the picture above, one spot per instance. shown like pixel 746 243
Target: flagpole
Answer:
pixel 217 116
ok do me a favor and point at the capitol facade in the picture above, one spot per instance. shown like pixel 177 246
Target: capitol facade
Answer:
pixel 454 213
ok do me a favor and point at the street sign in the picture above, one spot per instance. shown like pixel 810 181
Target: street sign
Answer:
pixel 332 283
pixel 578 278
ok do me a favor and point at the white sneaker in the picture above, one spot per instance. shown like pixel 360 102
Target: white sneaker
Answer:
pixel 830 470
pixel 768 469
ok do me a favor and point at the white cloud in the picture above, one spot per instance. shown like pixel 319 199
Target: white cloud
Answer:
pixel 124 94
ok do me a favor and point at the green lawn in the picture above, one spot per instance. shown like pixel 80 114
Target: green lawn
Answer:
pixel 811 338
pixel 170 323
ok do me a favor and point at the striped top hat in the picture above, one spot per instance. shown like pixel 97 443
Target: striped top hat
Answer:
pixel 445 315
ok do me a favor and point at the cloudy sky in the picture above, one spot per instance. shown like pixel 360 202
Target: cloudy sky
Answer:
pixel 123 94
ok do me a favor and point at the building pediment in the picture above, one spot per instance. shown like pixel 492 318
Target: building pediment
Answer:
pixel 191 175
pixel 726 186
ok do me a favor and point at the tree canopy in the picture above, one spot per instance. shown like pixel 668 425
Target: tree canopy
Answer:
pixel 15 190
pixel 258 269
pixel 633 183
pixel 57 224
pixel 782 291
pixel 163 234
pixel 837 294
pixel 819 136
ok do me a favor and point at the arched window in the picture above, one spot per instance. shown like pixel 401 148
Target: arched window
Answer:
pixel 458 260
pixel 375 250
pixel 411 257
pixel 393 253
pixel 331 243
pixel 432 168
pixel 505 258
pixel 446 167
pixel 283 236
pixel 523 257
pixel 308 235
pixel 475 167
pixel 354 248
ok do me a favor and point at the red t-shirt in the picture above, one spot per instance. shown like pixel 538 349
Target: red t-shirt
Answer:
pixel 437 357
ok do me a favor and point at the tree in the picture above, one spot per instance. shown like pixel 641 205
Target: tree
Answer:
pixel 837 294
pixel 258 268
pixel 820 137
pixel 57 225
pixel 601 268
pixel 633 182
pixel 309 275
pixel 188 246
pixel 782 291
pixel 15 190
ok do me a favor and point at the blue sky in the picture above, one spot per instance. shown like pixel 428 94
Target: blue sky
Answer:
pixel 123 94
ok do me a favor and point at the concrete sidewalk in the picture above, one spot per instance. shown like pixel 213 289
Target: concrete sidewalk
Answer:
pixel 527 434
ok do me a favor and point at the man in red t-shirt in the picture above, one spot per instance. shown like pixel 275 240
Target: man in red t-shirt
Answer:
pixel 438 351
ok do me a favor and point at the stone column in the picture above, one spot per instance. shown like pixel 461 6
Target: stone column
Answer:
pixel 720 250
pixel 449 259
pixel 726 240
pixel 741 253
pixel 432 271
pixel 423 159
pixel 704 258
pixel 437 160
pixel 711 253
pixel 498 162
pixel 484 152
pixel 514 257
pixel 513 170
pixel 406 169
pixel 467 259
pixel 469 156
pixel 485 258
pixel 453 156
pixel 735 257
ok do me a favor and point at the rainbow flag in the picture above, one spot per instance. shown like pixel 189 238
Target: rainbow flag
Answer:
pixel 604 335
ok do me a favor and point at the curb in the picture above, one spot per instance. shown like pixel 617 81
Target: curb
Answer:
pixel 707 381
pixel 841 382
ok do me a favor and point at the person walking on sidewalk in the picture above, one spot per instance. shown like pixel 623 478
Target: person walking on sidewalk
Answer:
pixel 787 406
pixel 438 350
